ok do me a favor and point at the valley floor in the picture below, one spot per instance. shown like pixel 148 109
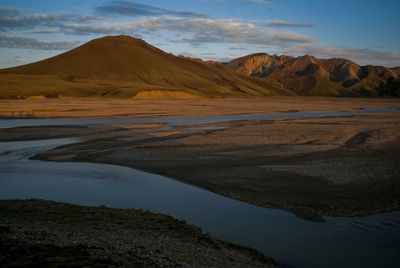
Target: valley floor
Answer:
pixel 112 107
pixel 327 166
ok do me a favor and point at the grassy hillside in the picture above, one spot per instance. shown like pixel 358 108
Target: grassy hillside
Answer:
pixel 121 66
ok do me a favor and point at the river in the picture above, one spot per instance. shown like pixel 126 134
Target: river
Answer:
pixel 370 241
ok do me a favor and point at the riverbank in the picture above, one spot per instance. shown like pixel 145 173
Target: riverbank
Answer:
pixel 343 166
pixel 44 233
pixel 346 165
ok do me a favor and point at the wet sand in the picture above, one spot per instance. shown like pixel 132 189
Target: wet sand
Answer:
pixel 344 166
pixel 335 166
pixel 275 233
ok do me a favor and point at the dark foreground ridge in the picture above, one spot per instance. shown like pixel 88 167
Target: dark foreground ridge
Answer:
pixel 35 233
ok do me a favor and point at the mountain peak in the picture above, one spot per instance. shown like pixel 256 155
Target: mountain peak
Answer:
pixel 112 58
pixel 117 38
pixel 125 65
pixel 259 63
pixel 308 75
pixel 118 41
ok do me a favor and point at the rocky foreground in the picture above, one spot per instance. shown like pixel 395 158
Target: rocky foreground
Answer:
pixel 36 233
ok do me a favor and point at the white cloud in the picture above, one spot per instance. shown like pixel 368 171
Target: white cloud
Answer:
pixel 34 44
pixel 189 27
pixel 126 8
pixel 285 23
pixel 11 19
pixel 200 30
pixel 359 55
pixel 42 31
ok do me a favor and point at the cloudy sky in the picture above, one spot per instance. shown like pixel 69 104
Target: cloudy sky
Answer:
pixel 366 31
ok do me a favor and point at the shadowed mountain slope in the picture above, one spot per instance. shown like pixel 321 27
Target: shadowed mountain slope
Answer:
pixel 308 75
pixel 122 66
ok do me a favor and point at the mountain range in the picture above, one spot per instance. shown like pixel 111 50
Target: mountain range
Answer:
pixel 308 75
pixel 124 66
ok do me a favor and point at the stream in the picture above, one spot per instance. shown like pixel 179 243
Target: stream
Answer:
pixel 370 241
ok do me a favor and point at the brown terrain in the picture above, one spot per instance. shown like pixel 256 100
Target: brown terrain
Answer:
pixel 37 233
pixel 122 66
pixel 118 107
pixel 308 75
pixel 330 166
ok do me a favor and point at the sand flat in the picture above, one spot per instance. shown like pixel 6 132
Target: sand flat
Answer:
pixel 341 165
pixel 107 107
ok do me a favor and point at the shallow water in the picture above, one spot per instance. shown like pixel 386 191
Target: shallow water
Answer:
pixel 372 241
pixel 183 120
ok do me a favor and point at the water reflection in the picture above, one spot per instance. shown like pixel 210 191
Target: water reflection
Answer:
pixel 372 241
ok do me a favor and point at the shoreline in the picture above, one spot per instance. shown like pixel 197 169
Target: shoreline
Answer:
pixel 309 179
pixel 307 213
pixel 331 166
pixel 45 233
pixel 334 166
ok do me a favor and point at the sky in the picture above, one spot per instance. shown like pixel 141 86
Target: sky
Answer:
pixel 365 31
